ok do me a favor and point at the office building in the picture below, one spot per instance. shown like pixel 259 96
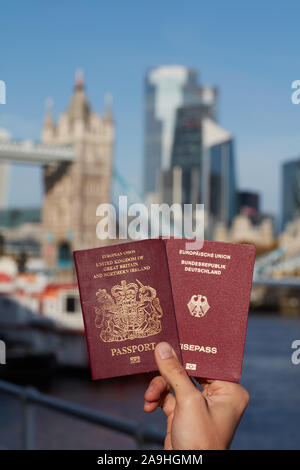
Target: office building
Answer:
pixel 290 192
pixel 184 175
pixel 168 88
pixel 218 174
pixel 202 168
pixel 189 158
pixel 249 204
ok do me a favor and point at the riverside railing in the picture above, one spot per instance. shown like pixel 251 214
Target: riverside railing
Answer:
pixel 29 396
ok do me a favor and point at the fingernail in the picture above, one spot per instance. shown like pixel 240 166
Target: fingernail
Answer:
pixel 146 403
pixel 165 351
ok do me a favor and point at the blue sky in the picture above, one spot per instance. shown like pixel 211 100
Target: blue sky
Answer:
pixel 248 49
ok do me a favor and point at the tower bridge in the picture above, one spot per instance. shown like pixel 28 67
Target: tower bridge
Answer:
pixel 76 154
pixel 31 152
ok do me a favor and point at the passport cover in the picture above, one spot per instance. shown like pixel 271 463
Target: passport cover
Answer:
pixel 211 290
pixel 127 306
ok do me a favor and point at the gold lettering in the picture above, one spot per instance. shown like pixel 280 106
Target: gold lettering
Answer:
pixel 132 349
pixel 197 348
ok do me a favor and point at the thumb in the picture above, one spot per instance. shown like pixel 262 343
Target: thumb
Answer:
pixel 172 371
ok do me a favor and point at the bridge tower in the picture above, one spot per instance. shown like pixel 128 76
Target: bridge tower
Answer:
pixel 73 190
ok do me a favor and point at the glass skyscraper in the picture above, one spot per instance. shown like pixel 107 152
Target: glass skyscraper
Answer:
pixel 189 158
pixel 187 149
pixel 218 176
pixel 202 167
pixel 290 188
pixel 167 88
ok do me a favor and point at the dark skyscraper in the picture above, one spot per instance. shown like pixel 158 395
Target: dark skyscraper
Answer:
pixel 248 203
pixel 219 179
pixel 290 192
pixel 189 158
pixel 167 88
pixel 187 150
pixel 202 166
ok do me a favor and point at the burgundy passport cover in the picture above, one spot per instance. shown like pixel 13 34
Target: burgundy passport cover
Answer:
pixel 211 290
pixel 127 306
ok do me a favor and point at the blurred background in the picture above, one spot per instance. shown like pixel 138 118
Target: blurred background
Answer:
pixel 162 102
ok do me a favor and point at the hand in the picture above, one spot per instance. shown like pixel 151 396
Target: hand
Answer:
pixel 195 419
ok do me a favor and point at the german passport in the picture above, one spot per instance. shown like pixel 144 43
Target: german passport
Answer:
pixel 211 290
pixel 136 294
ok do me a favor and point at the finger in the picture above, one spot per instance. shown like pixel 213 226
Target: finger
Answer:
pixel 149 407
pixel 168 438
pixel 167 403
pixel 172 371
pixel 154 393
pixel 168 442
pixel 157 387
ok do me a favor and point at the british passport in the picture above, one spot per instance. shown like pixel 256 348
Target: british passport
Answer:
pixel 136 294
pixel 127 306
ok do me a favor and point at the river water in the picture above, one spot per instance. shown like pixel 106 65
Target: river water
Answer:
pixel 270 422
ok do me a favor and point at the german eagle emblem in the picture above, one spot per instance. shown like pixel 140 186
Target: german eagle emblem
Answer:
pixel 198 305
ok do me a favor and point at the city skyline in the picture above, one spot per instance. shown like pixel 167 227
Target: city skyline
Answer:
pixel 167 89
pixel 253 83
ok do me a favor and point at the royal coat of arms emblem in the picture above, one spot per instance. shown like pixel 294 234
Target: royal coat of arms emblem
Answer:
pixel 198 305
pixel 130 311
